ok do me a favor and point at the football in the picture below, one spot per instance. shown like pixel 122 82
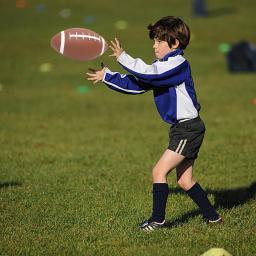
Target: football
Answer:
pixel 79 44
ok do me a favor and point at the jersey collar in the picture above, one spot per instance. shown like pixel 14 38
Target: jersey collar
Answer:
pixel 172 54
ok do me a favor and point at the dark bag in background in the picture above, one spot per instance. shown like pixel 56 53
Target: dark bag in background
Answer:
pixel 242 57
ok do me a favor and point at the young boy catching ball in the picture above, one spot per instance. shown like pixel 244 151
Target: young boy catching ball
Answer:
pixel 170 79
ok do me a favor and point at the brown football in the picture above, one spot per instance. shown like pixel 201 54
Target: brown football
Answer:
pixel 79 44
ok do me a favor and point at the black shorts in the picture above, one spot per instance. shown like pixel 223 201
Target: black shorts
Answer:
pixel 186 137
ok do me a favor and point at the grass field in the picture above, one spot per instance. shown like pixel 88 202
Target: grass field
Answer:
pixel 75 168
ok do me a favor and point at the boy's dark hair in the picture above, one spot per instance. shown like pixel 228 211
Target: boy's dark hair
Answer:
pixel 168 29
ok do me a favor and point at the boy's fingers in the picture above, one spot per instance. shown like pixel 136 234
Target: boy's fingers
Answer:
pixel 90 74
pixel 112 48
pixel 113 43
pixel 92 69
pixel 118 43
pixel 91 78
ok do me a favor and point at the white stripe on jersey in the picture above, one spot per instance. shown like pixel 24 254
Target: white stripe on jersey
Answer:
pixel 118 87
pixel 185 106
pixel 122 89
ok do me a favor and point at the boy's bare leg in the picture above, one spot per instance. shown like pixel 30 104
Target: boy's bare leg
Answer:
pixel 184 172
pixel 168 161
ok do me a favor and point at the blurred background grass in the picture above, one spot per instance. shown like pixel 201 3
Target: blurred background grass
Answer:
pixel 75 167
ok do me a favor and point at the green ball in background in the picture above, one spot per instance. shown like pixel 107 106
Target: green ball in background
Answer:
pixel 121 25
pixel 224 47
pixel 83 89
pixel 45 67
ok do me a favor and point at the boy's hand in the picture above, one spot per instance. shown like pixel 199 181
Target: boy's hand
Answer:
pixel 97 75
pixel 116 48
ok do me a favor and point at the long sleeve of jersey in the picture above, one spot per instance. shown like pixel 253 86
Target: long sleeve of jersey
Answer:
pixel 127 84
pixel 170 72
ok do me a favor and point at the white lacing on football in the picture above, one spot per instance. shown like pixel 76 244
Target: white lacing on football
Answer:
pixel 83 36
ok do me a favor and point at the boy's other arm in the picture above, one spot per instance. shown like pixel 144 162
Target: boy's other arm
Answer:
pixel 127 84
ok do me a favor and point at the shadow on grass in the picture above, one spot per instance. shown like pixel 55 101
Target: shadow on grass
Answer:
pixel 225 198
pixel 9 184
pixel 182 219
pixel 229 198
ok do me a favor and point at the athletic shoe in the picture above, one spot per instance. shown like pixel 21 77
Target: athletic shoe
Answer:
pixel 217 221
pixel 150 225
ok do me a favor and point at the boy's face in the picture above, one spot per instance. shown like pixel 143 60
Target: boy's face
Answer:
pixel 161 48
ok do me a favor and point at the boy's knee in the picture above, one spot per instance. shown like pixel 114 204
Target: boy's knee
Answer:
pixel 185 184
pixel 157 174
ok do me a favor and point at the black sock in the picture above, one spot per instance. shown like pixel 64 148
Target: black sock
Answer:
pixel 160 195
pixel 199 196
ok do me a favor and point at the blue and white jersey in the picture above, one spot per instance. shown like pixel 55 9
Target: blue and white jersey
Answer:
pixel 169 78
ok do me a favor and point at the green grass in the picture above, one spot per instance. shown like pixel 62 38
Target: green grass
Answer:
pixel 75 169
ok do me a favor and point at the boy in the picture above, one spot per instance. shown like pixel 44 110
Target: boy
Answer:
pixel 169 77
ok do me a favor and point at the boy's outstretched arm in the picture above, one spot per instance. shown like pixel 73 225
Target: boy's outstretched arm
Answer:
pixel 159 74
pixel 127 84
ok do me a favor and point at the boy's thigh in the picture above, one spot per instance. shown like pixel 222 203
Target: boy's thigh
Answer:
pixel 185 168
pixel 168 161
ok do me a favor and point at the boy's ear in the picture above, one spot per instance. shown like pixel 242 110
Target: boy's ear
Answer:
pixel 176 45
